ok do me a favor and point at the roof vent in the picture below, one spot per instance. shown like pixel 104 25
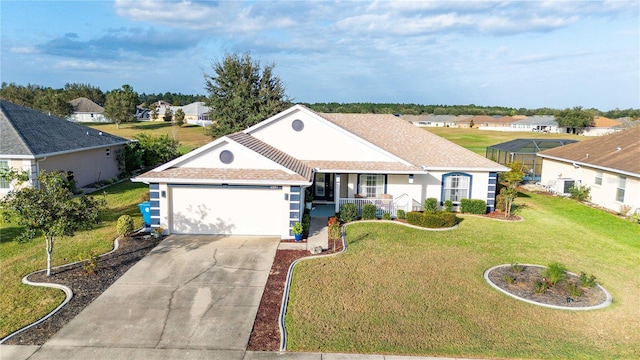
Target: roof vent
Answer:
pixel 100 133
pixel 618 148
pixel 87 133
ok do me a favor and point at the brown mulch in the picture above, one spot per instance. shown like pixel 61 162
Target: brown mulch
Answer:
pixel 265 335
pixel 524 287
pixel 86 287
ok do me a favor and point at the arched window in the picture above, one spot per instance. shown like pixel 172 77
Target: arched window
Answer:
pixel 455 187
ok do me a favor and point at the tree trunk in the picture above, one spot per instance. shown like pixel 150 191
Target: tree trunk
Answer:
pixel 49 241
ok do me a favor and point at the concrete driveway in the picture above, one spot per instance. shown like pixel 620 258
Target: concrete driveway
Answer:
pixel 197 293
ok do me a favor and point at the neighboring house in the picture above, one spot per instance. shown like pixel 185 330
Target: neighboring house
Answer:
pixel 602 126
pixel 485 122
pixel 253 182
pixel 431 120
pixel 142 113
pixel 196 113
pixel 608 164
pixel 34 141
pixel 538 123
pixel 161 107
pixel 85 110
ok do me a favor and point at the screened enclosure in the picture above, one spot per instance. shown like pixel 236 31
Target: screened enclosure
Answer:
pixel 524 151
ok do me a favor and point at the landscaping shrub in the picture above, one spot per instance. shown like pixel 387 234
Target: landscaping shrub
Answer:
pixel 334 228
pixel 448 205
pixel 386 216
pixel 473 206
pixel 574 289
pixel 124 225
pixel 588 281
pixel 401 214
pixel 306 221
pixel 501 203
pixel 555 273
pixel 580 192
pixel 517 268
pixel 89 262
pixel 368 211
pixel 430 205
pixel 348 212
pixel 439 219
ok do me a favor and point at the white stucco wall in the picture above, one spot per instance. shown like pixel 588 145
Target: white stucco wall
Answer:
pixel 602 195
pixel 243 158
pixel 317 141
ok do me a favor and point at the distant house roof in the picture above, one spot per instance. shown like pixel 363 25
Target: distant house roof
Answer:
pixel 542 120
pixel 27 133
pixel 603 122
pixel 195 108
pixel 485 119
pixel 619 151
pixel 84 105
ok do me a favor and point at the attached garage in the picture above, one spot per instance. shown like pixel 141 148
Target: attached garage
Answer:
pixel 229 210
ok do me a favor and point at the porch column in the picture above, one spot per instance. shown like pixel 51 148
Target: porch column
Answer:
pixel 336 193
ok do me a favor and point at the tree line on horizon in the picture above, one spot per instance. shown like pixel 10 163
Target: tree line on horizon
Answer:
pixel 56 102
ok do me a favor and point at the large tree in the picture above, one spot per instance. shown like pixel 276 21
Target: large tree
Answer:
pixel 576 118
pixel 120 105
pixel 76 90
pixel 242 93
pixel 53 102
pixel 50 210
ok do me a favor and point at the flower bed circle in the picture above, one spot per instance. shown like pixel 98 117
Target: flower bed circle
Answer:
pixel 557 297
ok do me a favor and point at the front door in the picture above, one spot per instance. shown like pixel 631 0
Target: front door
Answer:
pixel 323 187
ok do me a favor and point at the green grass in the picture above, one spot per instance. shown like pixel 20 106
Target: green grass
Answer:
pixel 189 136
pixel 478 140
pixel 20 304
pixel 404 291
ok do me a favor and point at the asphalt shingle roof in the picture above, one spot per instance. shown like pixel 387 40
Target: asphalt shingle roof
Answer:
pixel 28 132
pixel 415 145
pixel 84 105
pixel 619 151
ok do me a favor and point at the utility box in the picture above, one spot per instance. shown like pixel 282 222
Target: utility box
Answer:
pixel 145 209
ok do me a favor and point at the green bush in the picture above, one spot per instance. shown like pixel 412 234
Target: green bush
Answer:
pixel 306 221
pixel 448 205
pixel 438 219
pixel 574 289
pixel 501 203
pixel 430 205
pixel 401 214
pixel 580 192
pixel 555 273
pixel 386 216
pixel 588 281
pixel 124 225
pixel 368 211
pixel 473 206
pixel 348 212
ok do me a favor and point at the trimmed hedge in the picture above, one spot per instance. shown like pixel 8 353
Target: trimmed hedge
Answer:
pixel 348 212
pixel 439 219
pixel 473 206
pixel 430 205
pixel 369 212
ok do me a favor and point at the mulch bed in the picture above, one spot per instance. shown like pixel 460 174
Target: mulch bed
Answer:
pixel 86 287
pixel 558 295
pixel 265 335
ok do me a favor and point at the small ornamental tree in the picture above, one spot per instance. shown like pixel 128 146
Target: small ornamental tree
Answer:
pixel 51 210
pixel 178 118
pixel 510 180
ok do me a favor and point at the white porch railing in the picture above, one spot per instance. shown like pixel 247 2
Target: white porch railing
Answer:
pixel 391 206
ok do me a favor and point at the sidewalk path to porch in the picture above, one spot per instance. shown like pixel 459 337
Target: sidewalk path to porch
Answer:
pixel 318 233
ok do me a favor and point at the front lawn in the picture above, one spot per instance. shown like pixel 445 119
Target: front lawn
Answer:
pixel 399 290
pixel 21 304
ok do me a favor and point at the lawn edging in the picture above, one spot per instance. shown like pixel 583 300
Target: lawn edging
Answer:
pixel 607 302
pixel 287 285
pixel 68 292
pixel 403 224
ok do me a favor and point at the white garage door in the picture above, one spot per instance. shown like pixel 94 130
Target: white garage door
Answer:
pixel 229 210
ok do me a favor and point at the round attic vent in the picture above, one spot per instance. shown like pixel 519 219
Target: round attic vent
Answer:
pixel 226 157
pixel 297 125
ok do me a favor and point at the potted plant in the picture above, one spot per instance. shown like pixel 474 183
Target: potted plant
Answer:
pixel 297 231
pixel 308 198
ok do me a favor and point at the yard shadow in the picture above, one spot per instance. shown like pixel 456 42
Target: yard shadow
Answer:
pixel 152 125
pixel 10 233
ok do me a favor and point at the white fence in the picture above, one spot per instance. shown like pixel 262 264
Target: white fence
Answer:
pixel 391 206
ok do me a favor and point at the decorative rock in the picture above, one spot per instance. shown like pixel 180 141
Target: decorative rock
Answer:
pixel 315 250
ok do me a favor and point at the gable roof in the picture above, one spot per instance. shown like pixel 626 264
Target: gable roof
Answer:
pixel 84 105
pixel 27 133
pixel 416 146
pixel 603 122
pixel 195 108
pixel 619 151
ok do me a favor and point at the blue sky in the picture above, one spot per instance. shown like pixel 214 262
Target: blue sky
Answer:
pixel 506 53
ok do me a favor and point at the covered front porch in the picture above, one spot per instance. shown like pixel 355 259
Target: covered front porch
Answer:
pixel 330 191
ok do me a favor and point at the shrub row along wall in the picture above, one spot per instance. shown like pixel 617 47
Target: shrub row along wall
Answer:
pixel 440 219
pixel 473 206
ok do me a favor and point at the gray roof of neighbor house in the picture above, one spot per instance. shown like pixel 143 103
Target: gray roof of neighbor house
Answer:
pixel 618 151
pixel 543 120
pixel 84 105
pixel 28 133
pixel 419 147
